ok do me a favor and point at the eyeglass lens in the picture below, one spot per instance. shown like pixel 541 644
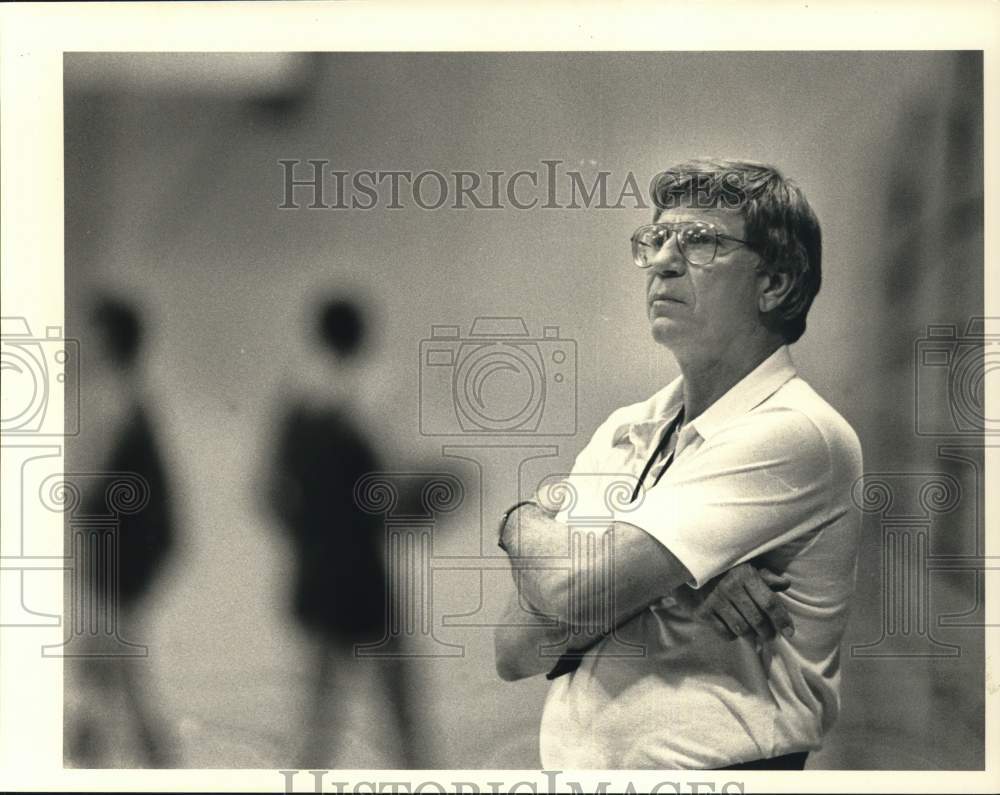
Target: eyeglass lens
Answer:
pixel 697 243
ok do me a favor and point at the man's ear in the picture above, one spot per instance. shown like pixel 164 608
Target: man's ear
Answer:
pixel 774 288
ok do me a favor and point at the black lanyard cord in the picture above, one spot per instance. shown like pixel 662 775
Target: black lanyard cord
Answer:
pixel 660 447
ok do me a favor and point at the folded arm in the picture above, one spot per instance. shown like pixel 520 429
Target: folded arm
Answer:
pixel 625 571
pixel 524 650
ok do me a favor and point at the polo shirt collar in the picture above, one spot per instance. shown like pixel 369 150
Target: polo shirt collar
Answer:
pixel 756 387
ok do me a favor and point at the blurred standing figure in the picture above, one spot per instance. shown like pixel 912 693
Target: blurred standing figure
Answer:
pixel 340 588
pixel 120 723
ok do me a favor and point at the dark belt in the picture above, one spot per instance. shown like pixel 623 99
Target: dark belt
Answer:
pixel 796 761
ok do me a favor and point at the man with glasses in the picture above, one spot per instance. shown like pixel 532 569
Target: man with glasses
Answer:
pixel 737 460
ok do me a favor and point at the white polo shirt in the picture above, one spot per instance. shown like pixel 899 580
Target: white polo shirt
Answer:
pixel 766 471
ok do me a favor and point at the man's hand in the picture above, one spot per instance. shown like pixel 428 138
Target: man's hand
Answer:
pixel 744 601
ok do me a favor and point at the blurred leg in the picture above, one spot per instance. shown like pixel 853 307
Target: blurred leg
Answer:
pixel 416 751
pixel 88 696
pixel 320 716
pixel 93 705
pixel 156 744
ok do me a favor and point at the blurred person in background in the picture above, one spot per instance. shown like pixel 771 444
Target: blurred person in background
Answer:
pixel 340 592
pixel 117 721
pixel 737 460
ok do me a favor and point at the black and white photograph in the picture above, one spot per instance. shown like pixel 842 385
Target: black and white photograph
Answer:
pixel 437 411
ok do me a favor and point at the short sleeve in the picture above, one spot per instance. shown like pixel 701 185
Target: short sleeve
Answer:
pixel 591 459
pixel 759 483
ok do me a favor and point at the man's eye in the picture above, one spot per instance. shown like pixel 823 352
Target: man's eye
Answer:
pixel 698 236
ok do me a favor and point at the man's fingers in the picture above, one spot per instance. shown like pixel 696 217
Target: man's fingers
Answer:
pixel 745 601
pixel 732 619
pixel 775 582
pixel 719 626
pixel 756 619
pixel 706 613
pixel 770 603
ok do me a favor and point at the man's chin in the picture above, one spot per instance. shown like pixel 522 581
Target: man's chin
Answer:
pixel 666 331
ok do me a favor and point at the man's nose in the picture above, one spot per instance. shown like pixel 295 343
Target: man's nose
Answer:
pixel 668 260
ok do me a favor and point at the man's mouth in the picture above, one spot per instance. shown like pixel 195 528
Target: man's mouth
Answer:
pixel 665 299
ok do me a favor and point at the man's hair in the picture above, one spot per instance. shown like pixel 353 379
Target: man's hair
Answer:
pixel 121 329
pixel 341 326
pixel 781 227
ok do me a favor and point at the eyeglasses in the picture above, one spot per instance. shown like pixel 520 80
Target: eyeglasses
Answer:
pixel 697 241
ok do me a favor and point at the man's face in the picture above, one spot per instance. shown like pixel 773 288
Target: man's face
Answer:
pixel 701 310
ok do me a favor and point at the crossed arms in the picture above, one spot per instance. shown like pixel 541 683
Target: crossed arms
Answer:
pixel 750 490
pixel 583 607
